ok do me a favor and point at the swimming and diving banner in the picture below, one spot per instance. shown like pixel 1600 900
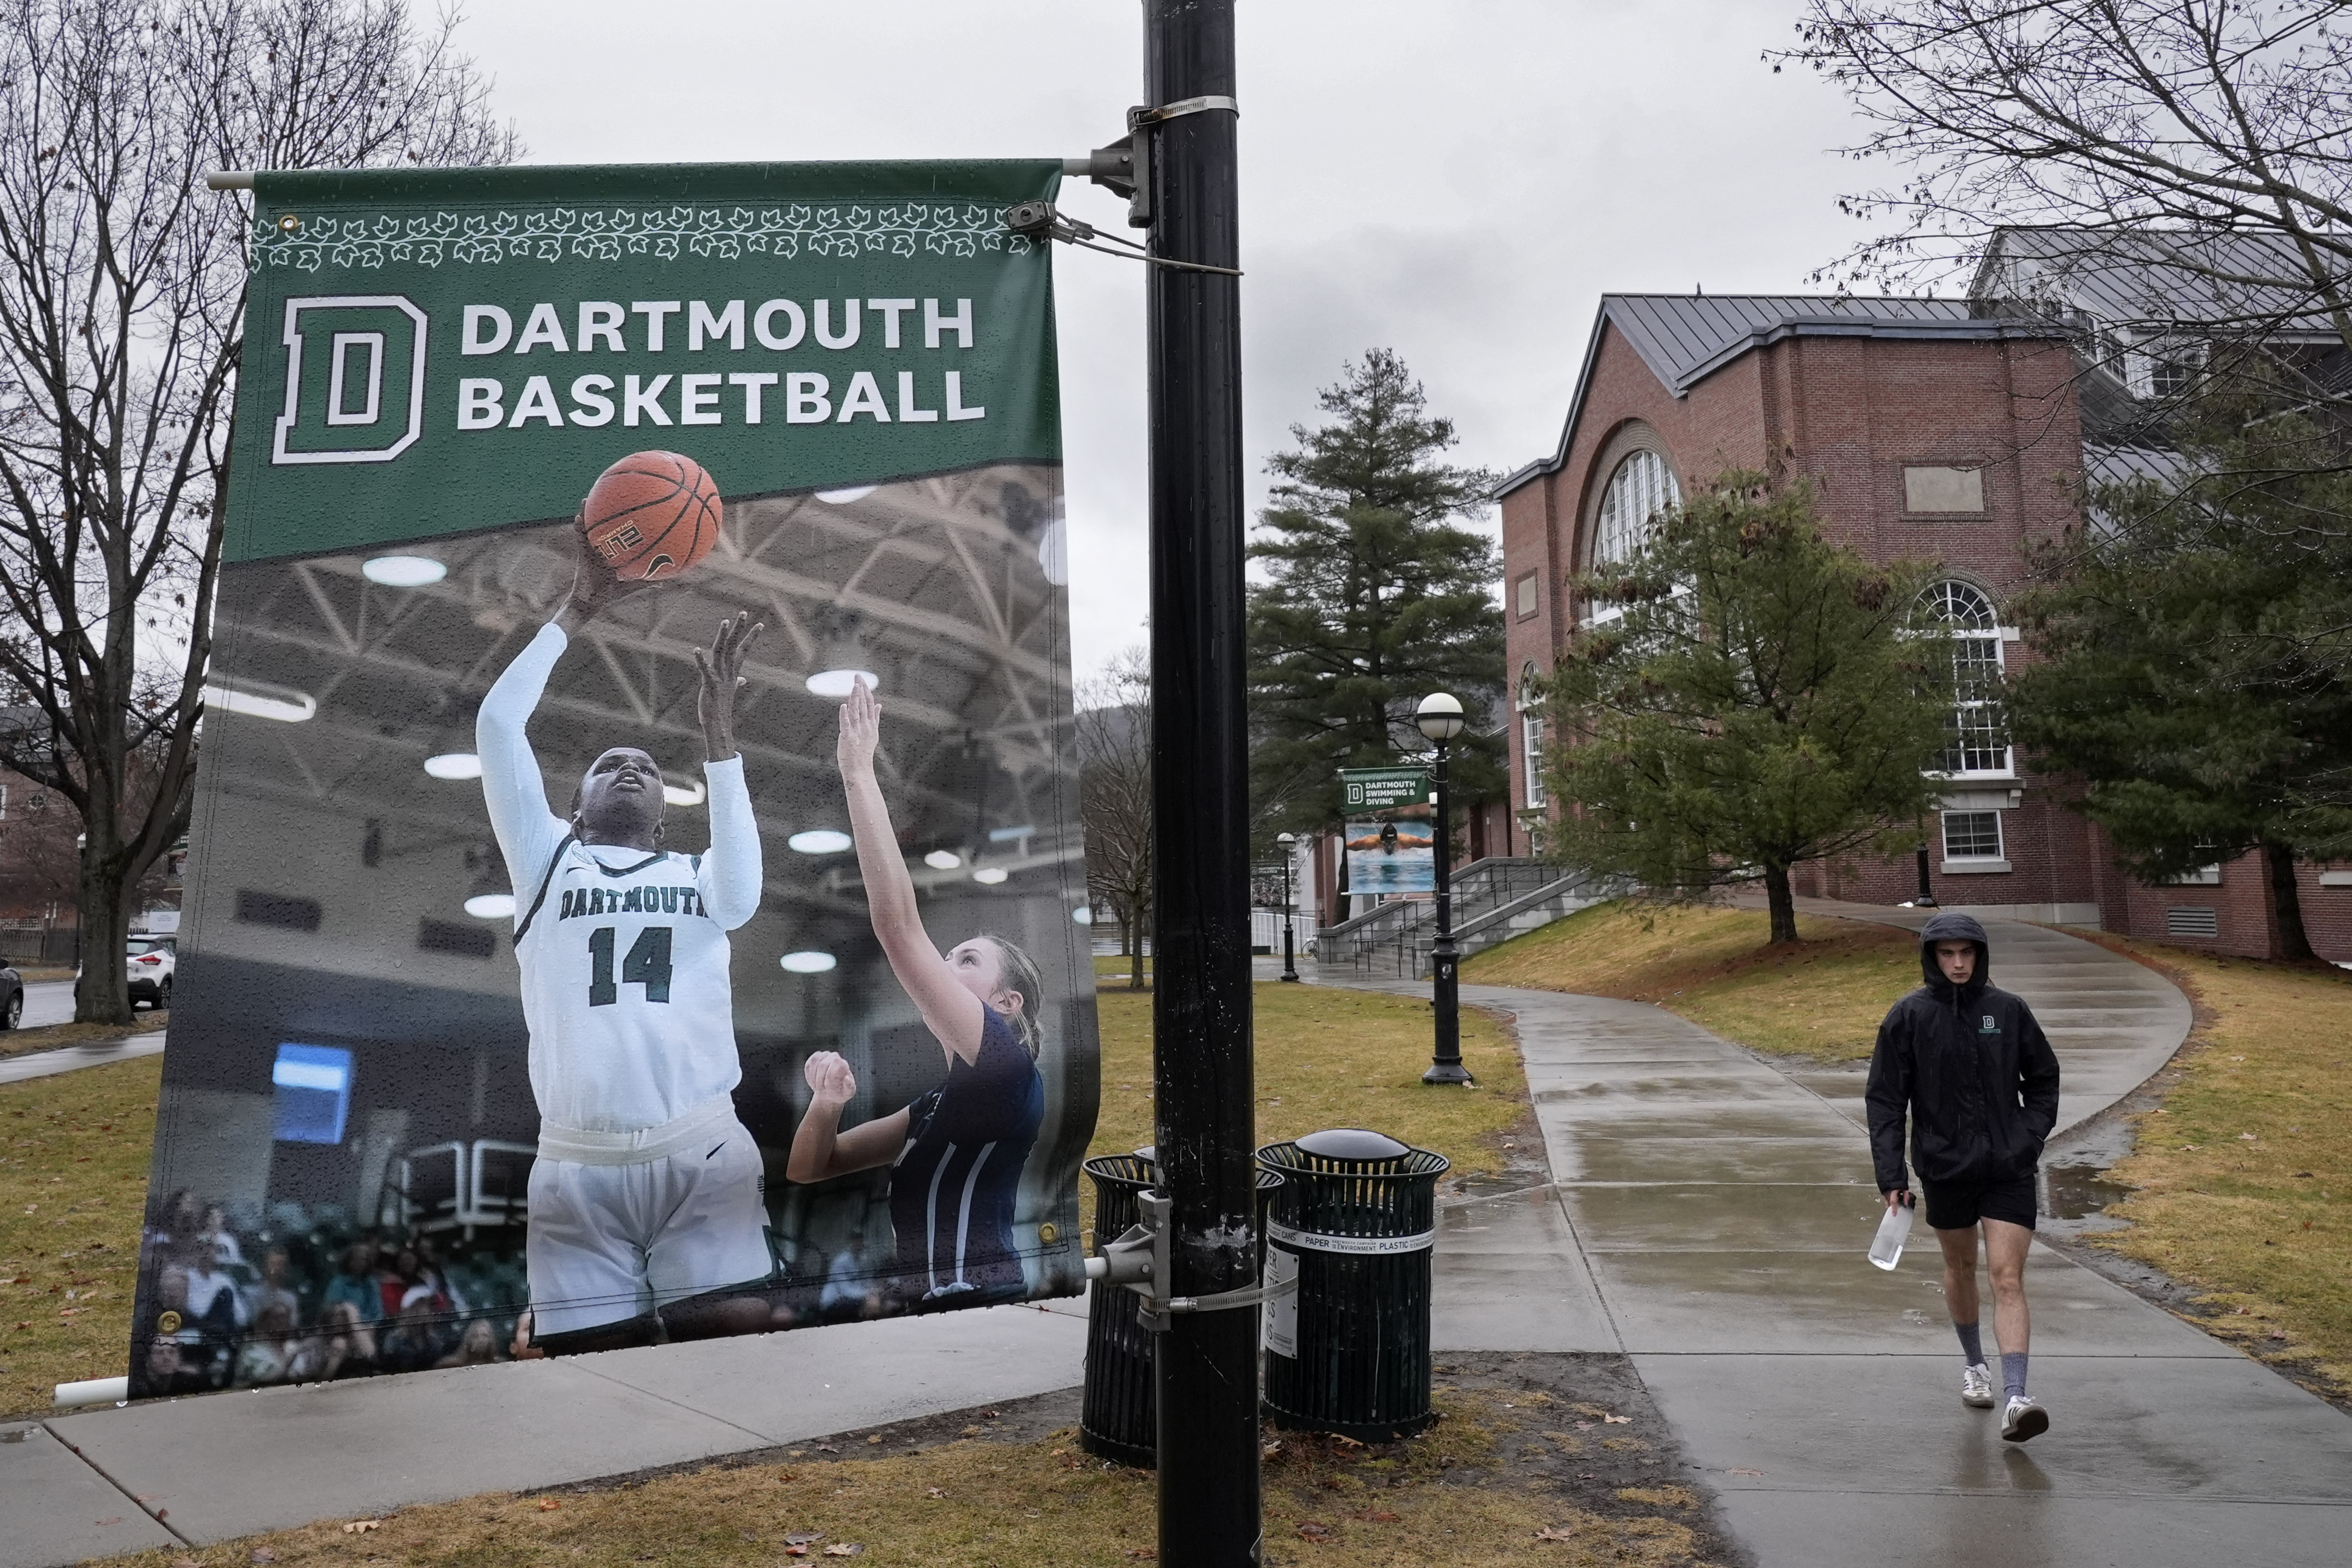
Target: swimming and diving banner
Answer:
pixel 636 890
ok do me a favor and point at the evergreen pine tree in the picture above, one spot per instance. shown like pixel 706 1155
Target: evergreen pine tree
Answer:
pixel 1374 596
pixel 2197 642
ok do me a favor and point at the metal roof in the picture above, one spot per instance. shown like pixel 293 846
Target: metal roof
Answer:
pixel 1685 337
pixel 2157 278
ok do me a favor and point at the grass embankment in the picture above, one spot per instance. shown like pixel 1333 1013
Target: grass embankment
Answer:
pixel 73 1183
pixel 1822 999
pixel 2243 1178
pixel 20 1041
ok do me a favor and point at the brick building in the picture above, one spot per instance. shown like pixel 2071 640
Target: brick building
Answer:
pixel 1932 430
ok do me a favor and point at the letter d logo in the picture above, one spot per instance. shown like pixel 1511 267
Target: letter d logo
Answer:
pixel 355 380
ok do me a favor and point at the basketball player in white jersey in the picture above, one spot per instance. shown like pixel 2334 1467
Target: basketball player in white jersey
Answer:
pixel 646 1203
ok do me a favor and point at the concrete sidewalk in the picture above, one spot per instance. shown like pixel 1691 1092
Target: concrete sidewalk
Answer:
pixel 1709 1218
pixel 197 1470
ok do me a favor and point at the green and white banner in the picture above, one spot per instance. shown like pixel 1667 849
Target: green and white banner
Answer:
pixel 636 890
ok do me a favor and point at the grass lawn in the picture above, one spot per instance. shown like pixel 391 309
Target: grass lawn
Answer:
pixel 1822 999
pixel 73 1181
pixel 1330 1058
pixel 2243 1178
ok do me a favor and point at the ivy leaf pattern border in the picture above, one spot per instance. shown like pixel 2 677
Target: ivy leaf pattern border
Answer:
pixel 362 241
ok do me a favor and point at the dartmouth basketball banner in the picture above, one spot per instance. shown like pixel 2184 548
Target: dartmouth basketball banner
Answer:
pixel 636 891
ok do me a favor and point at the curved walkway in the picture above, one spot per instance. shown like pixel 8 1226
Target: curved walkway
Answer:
pixel 1708 1216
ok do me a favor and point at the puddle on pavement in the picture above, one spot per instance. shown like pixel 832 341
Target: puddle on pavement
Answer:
pixel 2078 1192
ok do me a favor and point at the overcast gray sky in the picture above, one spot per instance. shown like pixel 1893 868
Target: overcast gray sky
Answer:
pixel 1458 180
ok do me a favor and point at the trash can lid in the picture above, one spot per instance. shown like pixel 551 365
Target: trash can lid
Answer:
pixel 1149 1152
pixel 1352 1144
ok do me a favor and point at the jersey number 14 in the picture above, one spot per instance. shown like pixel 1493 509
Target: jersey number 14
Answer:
pixel 647 964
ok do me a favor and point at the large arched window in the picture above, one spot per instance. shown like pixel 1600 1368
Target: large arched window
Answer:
pixel 1977 732
pixel 1642 487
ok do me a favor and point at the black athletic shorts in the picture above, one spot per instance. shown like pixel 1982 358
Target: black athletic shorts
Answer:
pixel 1958 1205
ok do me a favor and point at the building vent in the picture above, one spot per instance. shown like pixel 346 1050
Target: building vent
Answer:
pixel 2192 922
pixel 282 910
pixel 448 936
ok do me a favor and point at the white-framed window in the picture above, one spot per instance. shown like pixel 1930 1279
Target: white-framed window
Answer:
pixel 1976 740
pixel 1640 488
pixel 1531 735
pixel 2160 367
pixel 1972 836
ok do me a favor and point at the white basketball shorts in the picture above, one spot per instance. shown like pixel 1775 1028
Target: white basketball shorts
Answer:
pixel 608 1242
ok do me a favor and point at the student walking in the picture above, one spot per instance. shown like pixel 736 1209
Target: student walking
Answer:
pixel 1974 1074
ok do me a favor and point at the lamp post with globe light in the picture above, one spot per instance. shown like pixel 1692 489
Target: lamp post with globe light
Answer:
pixel 1289 843
pixel 1440 718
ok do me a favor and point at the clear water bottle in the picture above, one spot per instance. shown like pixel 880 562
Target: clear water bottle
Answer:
pixel 1887 1246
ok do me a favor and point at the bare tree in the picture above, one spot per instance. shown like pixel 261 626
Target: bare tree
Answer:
pixel 1115 797
pixel 121 309
pixel 2196 154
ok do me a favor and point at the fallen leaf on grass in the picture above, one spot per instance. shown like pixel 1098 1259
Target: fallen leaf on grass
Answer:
pixel 1618 1420
pixel 844 1549
pixel 1270 1450
pixel 263 1554
pixel 875 1439
pixel 826 1448
pixel 1378 1516
pixel 935 1491
pixel 1309 1530
pixel 1549 1533
pixel 361 1526
pixel 807 1538
pixel 795 1551
pixel 1145 1554
pixel 548 1505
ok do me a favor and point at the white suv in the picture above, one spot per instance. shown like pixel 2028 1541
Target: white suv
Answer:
pixel 152 961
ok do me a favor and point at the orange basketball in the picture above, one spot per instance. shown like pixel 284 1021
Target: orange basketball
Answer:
pixel 651 515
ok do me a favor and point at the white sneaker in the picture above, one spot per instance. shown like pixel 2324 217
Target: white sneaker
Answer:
pixel 2023 1419
pixel 1975 1388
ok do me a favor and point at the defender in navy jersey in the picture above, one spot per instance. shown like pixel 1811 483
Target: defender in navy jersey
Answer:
pixel 956 1153
pixel 645 1204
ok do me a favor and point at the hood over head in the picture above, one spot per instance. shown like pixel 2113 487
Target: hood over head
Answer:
pixel 1954 928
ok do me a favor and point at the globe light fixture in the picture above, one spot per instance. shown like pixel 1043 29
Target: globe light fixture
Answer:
pixel 491 906
pixel 403 571
pixel 943 860
pixel 820 841
pixel 807 963
pixel 990 874
pixel 847 494
pixel 454 765
pixel 1439 717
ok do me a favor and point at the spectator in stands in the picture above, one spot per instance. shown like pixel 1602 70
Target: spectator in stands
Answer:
pixel 344 1345
pixel 214 1301
pixel 272 1352
pixel 354 1286
pixel 480 1346
pixel 184 1360
pixel 222 1240
pixel 396 1281
pixel 275 1288
pixel 414 1342
pixel 850 1289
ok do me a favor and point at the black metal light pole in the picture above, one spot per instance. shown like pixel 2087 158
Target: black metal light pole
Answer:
pixel 1289 843
pixel 1927 899
pixel 1440 718
pixel 1207 1378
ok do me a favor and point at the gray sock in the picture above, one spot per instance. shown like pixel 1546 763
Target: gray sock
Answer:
pixel 2012 1373
pixel 1971 1342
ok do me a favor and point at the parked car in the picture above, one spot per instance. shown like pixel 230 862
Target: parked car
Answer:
pixel 152 959
pixel 12 998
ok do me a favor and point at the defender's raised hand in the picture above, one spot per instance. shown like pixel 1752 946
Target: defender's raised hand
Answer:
pixel 721 666
pixel 861 731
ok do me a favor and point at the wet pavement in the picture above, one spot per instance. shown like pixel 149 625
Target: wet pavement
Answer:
pixel 1710 1216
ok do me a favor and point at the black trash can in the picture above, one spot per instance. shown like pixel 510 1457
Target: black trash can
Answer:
pixel 1119 1415
pixel 1355 1220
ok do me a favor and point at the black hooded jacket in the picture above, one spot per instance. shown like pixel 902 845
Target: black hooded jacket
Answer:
pixel 1971 1068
